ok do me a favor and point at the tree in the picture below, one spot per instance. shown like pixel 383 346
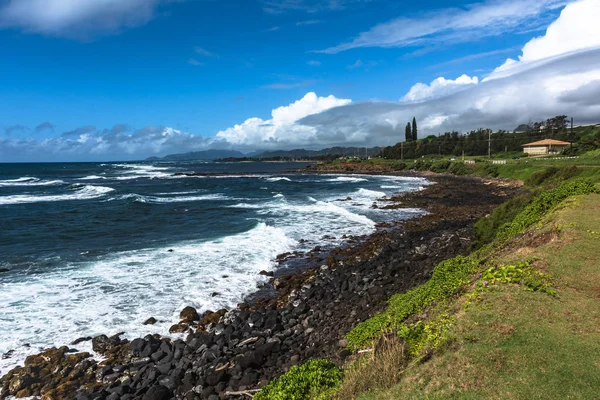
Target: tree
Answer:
pixel 409 136
pixel 414 129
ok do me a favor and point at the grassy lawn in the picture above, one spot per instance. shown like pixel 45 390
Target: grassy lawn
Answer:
pixel 516 344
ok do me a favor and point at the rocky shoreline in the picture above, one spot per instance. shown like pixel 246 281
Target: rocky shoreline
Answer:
pixel 229 354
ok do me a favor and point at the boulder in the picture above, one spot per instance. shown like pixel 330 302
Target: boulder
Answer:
pixel 157 392
pixel 189 314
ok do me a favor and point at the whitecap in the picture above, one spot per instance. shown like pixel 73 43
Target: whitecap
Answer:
pixel 279 178
pixel 30 181
pixel 91 178
pixel 87 192
pixel 347 179
pixel 120 291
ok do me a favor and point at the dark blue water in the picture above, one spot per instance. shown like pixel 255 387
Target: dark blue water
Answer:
pixel 99 248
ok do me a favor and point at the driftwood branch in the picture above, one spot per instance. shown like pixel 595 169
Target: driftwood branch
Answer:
pixel 249 393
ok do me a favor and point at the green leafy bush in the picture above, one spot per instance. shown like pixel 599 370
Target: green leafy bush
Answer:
pixel 422 164
pixel 440 166
pixel 448 277
pixel 422 336
pixel 491 170
pixel 521 273
pixel 537 178
pixel 567 172
pixel 543 204
pixel 458 168
pixel 398 165
pixel 487 228
pixel 312 380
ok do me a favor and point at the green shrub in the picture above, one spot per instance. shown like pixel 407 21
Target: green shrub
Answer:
pixel 458 168
pixel 567 172
pixel 422 337
pixel 422 164
pixel 311 380
pixel 537 178
pixel 491 170
pixel 448 277
pixel 440 166
pixel 398 165
pixel 487 227
pixel 543 204
pixel 521 273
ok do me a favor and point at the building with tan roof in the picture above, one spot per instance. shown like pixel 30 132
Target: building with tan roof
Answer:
pixel 545 147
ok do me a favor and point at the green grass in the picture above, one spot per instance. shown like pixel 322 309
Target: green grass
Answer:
pixel 517 344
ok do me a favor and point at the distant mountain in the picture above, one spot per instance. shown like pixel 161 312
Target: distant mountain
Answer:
pixel 302 153
pixel 199 155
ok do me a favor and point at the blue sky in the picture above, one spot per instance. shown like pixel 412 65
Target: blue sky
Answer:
pixel 182 74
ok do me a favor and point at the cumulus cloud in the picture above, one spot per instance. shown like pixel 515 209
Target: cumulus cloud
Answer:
pixel 80 19
pixel 576 29
pixel 453 25
pixel 439 87
pixel 282 130
pixel 536 93
pixel 552 76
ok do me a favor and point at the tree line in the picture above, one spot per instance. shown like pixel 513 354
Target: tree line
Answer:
pixel 476 142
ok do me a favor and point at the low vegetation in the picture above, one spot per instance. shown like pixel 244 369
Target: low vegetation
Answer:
pixel 315 379
pixel 514 319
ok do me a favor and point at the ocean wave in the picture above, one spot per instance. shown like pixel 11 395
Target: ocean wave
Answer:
pixel 347 179
pixel 279 178
pixel 90 178
pixel 119 292
pixel 86 192
pixel 30 181
pixel 162 200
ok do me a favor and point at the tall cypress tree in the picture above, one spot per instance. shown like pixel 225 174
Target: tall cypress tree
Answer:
pixel 414 129
pixel 409 136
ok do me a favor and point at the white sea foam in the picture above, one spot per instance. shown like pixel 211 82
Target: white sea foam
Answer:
pixel 119 292
pixel 279 178
pixel 181 199
pixel 91 178
pixel 347 179
pixel 30 181
pixel 86 192
pixel 137 171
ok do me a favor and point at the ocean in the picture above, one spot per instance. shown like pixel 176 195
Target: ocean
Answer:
pixel 98 248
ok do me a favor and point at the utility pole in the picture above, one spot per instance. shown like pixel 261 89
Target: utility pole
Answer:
pixel 489 143
pixel 571 132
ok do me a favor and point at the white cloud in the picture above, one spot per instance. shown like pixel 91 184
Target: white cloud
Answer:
pixel 576 29
pixel 76 18
pixel 309 6
pixel 203 52
pixel 87 143
pixel 439 87
pixel 281 129
pixel 196 63
pixel 544 82
pixel 453 25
